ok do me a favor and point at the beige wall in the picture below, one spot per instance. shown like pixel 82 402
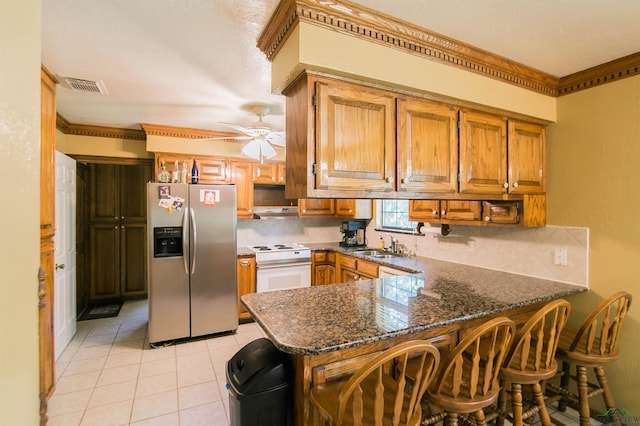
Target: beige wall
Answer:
pixel 103 147
pixel 314 47
pixel 594 167
pixel 20 219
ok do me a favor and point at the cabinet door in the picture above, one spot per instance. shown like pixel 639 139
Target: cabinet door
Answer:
pixel 424 210
pixel 355 138
pixel 348 276
pixel 427 147
pixel 500 211
pixel 265 173
pixel 132 192
pixel 316 207
pixel 354 209
pixel 246 284
pixel 460 210
pixel 241 175
pixel 133 260
pixel 483 153
pixel 104 261
pixel 527 158
pixel 324 274
pixel 212 170
pixel 104 193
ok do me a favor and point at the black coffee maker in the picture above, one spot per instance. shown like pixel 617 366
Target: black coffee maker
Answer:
pixel 353 233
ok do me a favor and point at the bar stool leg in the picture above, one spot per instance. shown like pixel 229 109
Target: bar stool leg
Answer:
pixel 604 384
pixel 480 419
pixel 564 384
pixel 544 414
pixel 516 398
pixel 502 404
pixel 451 419
pixel 583 391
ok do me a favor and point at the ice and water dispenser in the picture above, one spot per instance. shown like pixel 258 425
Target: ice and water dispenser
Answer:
pixel 167 241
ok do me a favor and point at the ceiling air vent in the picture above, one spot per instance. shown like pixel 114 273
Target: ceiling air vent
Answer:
pixel 89 86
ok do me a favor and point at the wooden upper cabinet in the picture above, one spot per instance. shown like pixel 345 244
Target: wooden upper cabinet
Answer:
pixel 427 146
pixel 316 207
pixel 527 159
pixel 242 176
pixel 460 210
pixel 354 209
pixel 212 170
pixel 424 210
pixel 355 137
pixel 104 204
pixel 483 153
pixel 269 173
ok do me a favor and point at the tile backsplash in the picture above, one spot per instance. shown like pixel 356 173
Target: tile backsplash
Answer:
pixel 522 251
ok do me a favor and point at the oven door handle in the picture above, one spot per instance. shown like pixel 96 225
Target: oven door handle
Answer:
pixel 282 265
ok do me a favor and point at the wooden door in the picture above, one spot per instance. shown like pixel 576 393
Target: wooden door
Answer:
pixel 324 274
pixel 355 138
pixel 133 260
pixel 316 207
pixel 427 147
pixel 527 158
pixel 424 210
pixel 483 153
pixel 104 203
pixel 242 176
pixel 104 263
pixel 246 284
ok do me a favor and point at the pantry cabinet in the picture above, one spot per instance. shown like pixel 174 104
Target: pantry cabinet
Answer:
pixel 246 272
pixel 117 230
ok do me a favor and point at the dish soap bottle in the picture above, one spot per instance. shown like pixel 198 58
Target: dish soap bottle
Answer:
pixel 380 244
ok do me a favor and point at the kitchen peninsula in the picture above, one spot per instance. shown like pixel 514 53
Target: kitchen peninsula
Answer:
pixel 332 329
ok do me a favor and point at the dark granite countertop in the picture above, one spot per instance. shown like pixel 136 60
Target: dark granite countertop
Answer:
pixel 316 320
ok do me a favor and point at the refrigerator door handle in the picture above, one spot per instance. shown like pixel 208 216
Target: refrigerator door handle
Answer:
pixel 195 240
pixel 185 246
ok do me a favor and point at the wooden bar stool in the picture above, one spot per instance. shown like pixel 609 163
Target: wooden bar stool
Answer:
pixel 468 381
pixel 380 392
pixel 531 361
pixel 592 345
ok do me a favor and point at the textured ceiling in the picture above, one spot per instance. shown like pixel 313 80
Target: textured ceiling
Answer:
pixel 194 63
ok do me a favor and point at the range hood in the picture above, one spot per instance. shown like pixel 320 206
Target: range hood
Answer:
pixel 275 212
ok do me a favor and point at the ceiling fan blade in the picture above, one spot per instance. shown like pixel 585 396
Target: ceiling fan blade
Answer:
pixel 241 129
pixel 277 138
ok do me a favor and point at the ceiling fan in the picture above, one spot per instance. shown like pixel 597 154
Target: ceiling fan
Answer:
pixel 261 135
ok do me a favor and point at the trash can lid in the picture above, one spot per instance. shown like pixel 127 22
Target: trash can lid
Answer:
pixel 259 365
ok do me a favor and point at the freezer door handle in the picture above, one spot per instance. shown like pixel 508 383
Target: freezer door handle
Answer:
pixel 185 247
pixel 195 240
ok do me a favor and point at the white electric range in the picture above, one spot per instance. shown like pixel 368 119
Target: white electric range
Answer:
pixel 282 266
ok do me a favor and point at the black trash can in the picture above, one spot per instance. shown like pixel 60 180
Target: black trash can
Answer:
pixel 259 383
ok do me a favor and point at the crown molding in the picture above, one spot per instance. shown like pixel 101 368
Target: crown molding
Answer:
pixel 376 27
pixel 185 132
pixel 628 66
pixel 97 131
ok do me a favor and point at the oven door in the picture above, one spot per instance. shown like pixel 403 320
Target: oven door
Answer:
pixel 283 276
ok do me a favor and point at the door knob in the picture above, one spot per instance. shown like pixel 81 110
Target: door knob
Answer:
pixel 59 266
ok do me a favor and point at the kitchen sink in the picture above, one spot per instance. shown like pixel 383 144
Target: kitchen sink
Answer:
pixel 378 254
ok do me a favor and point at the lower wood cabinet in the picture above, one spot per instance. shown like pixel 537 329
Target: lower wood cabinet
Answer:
pixel 323 266
pixel 246 277
pixel 355 269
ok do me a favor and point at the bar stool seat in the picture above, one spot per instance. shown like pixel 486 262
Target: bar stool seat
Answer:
pixel 468 380
pixel 593 345
pixel 531 361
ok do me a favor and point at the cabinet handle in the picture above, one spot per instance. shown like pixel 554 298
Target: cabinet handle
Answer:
pixel 405 180
pixel 273 178
pixel 390 179
pixel 245 263
pixel 487 218
pixel 434 212
pixel 122 217
pixel 505 185
pixel 357 277
pixel 304 210
pixel 515 184
pixel 116 218
pixel 443 212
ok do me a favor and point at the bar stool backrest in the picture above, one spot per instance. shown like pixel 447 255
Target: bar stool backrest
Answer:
pixel 599 333
pixel 535 344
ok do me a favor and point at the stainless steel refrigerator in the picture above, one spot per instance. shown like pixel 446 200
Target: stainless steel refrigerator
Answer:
pixel 191 260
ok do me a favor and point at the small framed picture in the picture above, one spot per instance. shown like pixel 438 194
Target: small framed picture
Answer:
pixel 164 192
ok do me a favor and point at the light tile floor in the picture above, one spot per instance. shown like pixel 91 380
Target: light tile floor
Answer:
pixel 109 375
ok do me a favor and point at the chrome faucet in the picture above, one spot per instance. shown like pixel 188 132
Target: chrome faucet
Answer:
pixel 394 243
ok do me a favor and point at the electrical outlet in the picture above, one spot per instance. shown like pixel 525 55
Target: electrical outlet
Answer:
pixel 560 257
